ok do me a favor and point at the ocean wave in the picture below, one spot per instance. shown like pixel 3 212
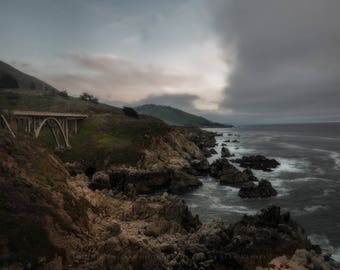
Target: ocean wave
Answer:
pixel 323 241
pixel 290 145
pixel 280 186
pixel 309 210
pixel 291 165
pixel 239 209
pixel 311 178
pixel 335 156
pixel 192 205
pixel 314 208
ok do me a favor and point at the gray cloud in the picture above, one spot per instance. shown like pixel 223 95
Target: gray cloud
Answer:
pixel 115 78
pixel 288 58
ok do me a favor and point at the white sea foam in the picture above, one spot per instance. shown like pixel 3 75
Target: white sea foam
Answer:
pixel 281 186
pixel 314 208
pixel 328 191
pixel 291 165
pixel 234 208
pixel 192 205
pixel 335 156
pixel 324 243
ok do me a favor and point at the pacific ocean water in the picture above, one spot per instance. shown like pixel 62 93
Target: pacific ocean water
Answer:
pixel 307 181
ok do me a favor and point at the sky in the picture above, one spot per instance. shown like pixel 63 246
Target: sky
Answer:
pixel 242 62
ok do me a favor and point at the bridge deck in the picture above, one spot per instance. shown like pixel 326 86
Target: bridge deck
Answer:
pixel 48 114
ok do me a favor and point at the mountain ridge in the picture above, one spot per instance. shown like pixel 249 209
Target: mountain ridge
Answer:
pixel 176 117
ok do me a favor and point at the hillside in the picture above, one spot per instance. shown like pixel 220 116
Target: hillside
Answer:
pixel 107 131
pixel 176 117
pixel 8 73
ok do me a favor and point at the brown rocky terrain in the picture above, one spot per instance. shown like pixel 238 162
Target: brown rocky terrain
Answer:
pixel 50 219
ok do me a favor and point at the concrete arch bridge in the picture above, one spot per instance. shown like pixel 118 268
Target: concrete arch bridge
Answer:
pixel 61 125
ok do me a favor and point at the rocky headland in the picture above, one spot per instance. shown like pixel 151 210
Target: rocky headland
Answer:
pixel 57 215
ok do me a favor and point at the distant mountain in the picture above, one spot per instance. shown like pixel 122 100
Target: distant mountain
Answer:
pixel 176 117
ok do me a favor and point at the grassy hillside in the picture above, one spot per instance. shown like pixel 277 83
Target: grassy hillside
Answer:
pixel 108 136
pixel 176 117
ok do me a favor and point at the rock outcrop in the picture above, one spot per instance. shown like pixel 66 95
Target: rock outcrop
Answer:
pixel 257 162
pixel 302 260
pixel 262 190
pixel 227 174
pixel 225 152
pixel 138 181
pixel 174 150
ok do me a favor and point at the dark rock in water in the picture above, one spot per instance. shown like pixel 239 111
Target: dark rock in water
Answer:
pixel 182 182
pixel 224 144
pixel 225 152
pixel 226 141
pixel 213 151
pixel 229 174
pixel 199 167
pixel 262 190
pixel 249 175
pixel 265 236
pixel 251 242
pixel 257 162
pixel 235 141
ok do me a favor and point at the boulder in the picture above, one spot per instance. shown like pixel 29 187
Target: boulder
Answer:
pixel 262 190
pixel 257 162
pixel 206 152
pixel 182 182
pixel 225 152
pixel 213 151
pixel 229 174
pixel 260 238
pixel 302 260
pixel 200 167
pixel 162 209
pixel 132 181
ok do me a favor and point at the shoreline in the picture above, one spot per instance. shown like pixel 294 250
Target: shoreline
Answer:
pixel 123 217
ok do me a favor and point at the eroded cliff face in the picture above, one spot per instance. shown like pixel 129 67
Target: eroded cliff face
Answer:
pixel 51 220
pixel 173 150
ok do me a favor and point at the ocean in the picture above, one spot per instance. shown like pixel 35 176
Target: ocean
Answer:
pixel 307 181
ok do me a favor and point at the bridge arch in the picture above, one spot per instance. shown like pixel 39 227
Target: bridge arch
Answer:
pixel 60 127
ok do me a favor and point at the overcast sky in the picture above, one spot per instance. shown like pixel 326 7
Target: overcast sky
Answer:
pixel 259 61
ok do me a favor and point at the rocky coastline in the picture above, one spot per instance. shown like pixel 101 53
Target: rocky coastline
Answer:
pixel 131 217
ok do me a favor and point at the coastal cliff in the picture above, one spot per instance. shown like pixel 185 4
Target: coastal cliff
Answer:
pixel 53 220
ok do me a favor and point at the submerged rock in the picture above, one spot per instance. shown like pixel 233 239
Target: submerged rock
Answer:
pixel 257 162
pixel 262 190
